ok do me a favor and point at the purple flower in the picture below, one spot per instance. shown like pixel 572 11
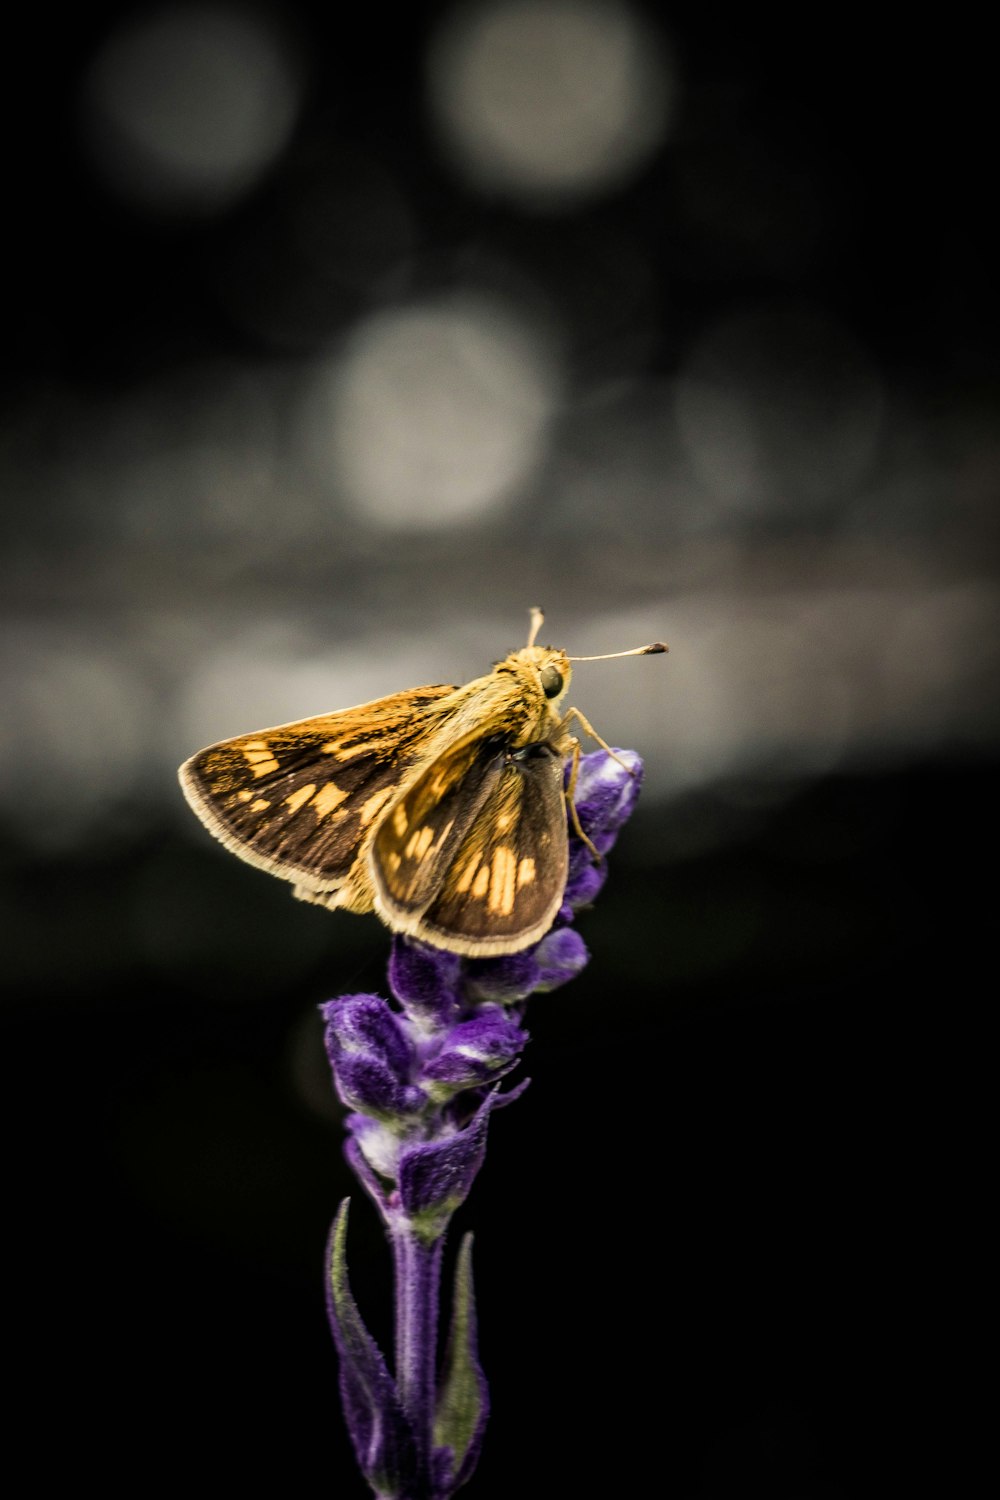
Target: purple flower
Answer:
pixel 421 1075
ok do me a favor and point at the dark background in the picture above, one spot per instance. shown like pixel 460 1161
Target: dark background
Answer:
pixel 722 1243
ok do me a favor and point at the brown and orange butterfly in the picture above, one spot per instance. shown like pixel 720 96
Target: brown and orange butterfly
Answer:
pixel 442 808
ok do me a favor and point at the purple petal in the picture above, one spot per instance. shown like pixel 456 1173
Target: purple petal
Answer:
pixel 606 791
pixel 503 980
pixel 425 979
pixel 372 1149
pixel 366 1025
pixel 475 1052
pixel 434 1178
pixel 371 1057
pixel 560 957
pixel 367 1084
pixel 584 883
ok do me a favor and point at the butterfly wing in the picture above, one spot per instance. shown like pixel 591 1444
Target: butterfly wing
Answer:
pixel 473 857
pixel 301 800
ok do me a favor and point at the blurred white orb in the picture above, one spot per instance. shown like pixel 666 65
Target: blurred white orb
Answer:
pixel 435 414
pixel 186 106
pixel 550 101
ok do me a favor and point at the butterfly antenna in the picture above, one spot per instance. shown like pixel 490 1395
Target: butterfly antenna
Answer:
pixel 537 620
pixel 652 650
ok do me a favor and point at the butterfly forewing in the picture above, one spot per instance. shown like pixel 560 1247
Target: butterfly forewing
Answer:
pixel 298 800
pixel 416 843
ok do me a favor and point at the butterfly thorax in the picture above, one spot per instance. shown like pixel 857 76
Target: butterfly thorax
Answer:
pixel 530 684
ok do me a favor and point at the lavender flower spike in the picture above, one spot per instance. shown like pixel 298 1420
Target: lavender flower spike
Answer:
pixel 422 1076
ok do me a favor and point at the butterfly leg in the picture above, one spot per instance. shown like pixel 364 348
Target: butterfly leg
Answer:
pixel 574 816
pixel 574 713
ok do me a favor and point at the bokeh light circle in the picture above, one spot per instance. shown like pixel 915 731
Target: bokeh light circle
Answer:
pixel 549 101
pixel 435 413
pixel 186 106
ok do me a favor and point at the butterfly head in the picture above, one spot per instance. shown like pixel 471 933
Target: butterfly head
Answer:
pixel 541 667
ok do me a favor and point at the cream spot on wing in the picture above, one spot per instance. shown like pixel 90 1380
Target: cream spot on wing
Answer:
pixel 394 862
pixel 298 798
pixel 343 751
pixel 526 872
pixel 327 798
pixel 503 881
pixel 375 804
pixel 464 880
pixel 399 821
pixel 419 842
pixel 504 821
pixel 260 805
pixel 249 745
pixel 481 883
pixel 244 796
pixel 265 767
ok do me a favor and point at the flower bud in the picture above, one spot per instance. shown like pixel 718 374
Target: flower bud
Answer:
pixel 426 981
pixel 503 981
pixel 435 1176
pixel 560 956
pixel 372 1059
pixel 606 790
pixel 584 881
pixel 475 1052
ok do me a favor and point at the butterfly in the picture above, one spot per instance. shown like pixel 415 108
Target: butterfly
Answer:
pixel 442 808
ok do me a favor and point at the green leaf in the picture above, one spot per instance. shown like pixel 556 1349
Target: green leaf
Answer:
pixel 463 1395
pixel 383 1442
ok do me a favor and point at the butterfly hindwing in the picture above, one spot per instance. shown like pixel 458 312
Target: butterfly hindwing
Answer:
pixel 476 851
pixel 510 871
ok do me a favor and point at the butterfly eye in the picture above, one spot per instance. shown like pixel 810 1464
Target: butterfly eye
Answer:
pixel 552 683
